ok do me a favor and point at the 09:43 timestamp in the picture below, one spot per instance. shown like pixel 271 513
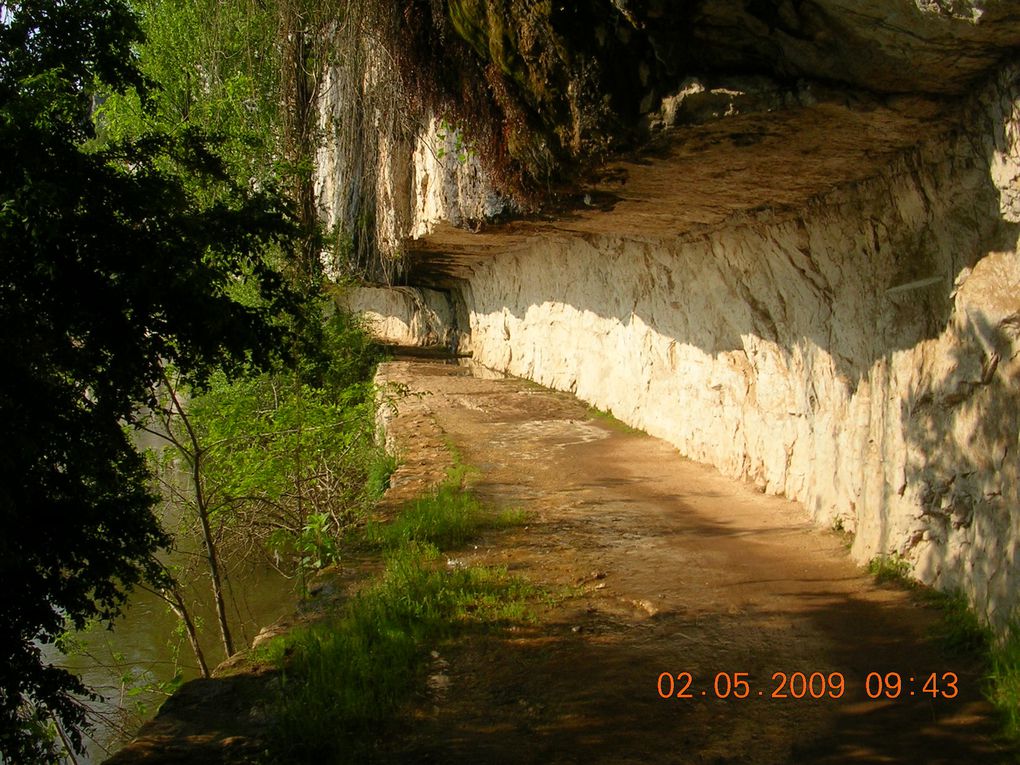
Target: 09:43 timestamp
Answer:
pixel 813 685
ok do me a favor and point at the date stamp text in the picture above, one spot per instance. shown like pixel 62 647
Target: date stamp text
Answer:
pixel 807 685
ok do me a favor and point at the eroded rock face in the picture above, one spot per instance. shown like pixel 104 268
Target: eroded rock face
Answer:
pixel 449 183
pixel 547 89
pixel 892 46
pixel 404 316
pixel 856 348
pixel 415 181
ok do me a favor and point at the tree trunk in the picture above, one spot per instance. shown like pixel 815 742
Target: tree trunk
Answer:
pixel 207 536
pixel 176 603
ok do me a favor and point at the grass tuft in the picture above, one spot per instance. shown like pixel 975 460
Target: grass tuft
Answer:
pixel 349 675
pixel 380 469
pixel 959 630
pixel 610 419
pixel 446 517
pixel 890 568
pixel 962 633
pixel 1003 688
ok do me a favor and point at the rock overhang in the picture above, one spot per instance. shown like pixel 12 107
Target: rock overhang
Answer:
pixel 770 105
pixel 705 168
pixel 938 47
pixel 641 118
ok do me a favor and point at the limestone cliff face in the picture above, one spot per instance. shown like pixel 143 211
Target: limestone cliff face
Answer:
pixel 812 289
pixel 416 181
pixel 405 315
pixel 861 357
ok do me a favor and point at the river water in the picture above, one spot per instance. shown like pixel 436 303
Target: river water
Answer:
pixel 146 648
pixel 131 665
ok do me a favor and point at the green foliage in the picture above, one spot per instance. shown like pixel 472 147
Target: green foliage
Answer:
pixel 379 472
pixel 889 568
pixel 344 676
pixel 350 673
pixel 264 435
pixel 959 630
pixel 216 65
pixel 462 150
pixel 117 258
pixel 281 462
pixel 337 250
pixel 608 418
pixel 239 71
pixel 316 545
pixel 338 352
pixel 448 517
pixel 961 633
pixel 1004 680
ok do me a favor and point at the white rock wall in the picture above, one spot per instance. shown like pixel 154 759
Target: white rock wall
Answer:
pixel 406 178
pixel 449 185
pixel 403 315
pixel 862 357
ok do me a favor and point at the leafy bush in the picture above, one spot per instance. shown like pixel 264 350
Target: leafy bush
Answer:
pixel 276 460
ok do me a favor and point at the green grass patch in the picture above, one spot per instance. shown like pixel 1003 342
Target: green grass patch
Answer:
pixel 460 472
pixel 447 517
pixel 961 633
pixel 508 518
pixel 1003 688
pixel 349 675
pixel 890 568
pixel 379 471
pixel 959 630
pixel 846 537
pixel 343 679
pixel 455 453
pixel 611 420
pixel 460 476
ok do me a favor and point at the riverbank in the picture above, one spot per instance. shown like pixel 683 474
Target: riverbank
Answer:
pixel 222 719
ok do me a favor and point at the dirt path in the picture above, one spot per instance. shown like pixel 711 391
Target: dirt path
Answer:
pixel 675 570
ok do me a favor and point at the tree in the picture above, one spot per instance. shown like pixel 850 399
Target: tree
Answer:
pixel 265 466
pixel 245 70
pixel 112 265
pixel 275 466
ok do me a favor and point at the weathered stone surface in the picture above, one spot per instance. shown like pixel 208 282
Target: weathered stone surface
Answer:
pixel 449 185
pixel 856 348
pixel 930 46
pixel 402 315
